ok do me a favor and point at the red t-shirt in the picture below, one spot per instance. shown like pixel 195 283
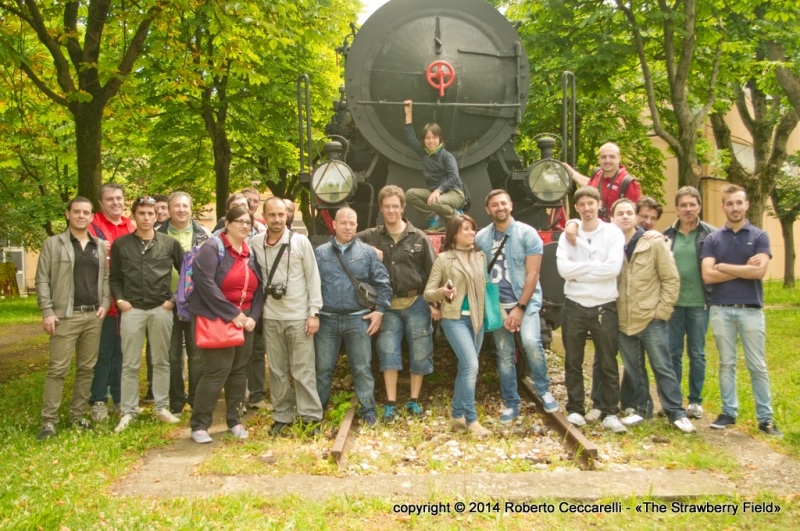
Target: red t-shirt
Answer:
pixel 110 232
pixel 233 284
pixel 609 190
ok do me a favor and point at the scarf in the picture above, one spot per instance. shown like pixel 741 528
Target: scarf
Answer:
pixel 476 286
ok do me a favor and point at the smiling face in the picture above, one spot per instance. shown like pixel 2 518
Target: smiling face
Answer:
pixel 79 216
pixel 587 208
pixel 646 218
pixel 392 209
pixel 431 141
pixel 112 203
pixel 180 210
pixel 499 208
pixel 275 215
pixel 162 211
pixel 465 237
pixel 253 200
pixel 609 158
pixel 735 206
pixel 345 225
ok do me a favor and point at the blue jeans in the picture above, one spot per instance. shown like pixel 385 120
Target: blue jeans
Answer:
pixel 652 340
pixel 748 324
pixel 530 333
pixel 693 324
pixel 108 369
pixel 459 333
pixel 352 329
pixel 415 323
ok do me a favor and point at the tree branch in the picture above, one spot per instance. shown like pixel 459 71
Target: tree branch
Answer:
pixel 787 79
pixel 712 84
pixel 71 29
pixel 722 136
pixel 744 111
pixel 63 74
pixel 783 131
pixel 44 88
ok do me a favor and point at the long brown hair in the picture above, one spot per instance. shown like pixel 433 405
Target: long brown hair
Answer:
pixel 453 226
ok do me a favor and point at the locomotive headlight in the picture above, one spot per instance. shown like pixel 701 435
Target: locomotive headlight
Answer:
pixel 548 181
pixel 333 182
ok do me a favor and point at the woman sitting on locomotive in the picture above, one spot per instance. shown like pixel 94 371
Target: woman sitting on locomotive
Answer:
pixel 444 195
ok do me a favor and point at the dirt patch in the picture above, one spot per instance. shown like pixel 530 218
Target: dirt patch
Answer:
pixel 23 349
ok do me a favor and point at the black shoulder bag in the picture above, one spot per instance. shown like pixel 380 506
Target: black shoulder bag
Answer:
pixel 366 295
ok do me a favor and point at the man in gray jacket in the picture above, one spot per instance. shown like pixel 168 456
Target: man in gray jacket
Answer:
pixel 73 295
pixel 291 318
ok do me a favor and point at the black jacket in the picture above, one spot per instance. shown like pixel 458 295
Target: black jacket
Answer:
pixel 703 230
pixel 142 275
pixel 440 168
pixel 409 262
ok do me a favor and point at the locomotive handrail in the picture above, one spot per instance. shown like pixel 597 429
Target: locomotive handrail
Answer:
pixel 426 104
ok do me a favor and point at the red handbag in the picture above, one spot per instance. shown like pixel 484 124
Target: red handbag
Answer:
pixel 217 333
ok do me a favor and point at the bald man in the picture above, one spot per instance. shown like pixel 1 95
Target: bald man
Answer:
pixel 610 178
pixel 342 318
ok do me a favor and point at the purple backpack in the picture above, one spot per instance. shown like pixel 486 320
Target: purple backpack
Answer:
pixel 185 281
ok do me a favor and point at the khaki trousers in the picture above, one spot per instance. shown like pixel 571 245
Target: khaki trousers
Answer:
pixel 445 207
pixel 80 334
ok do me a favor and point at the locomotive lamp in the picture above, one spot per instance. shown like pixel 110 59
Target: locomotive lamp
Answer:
pixel 333 181
pixel 548 181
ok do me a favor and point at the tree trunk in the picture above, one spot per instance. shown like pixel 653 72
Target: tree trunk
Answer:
pixel 686 176
pixel 787 231
pixel 89 148
pixel 222 170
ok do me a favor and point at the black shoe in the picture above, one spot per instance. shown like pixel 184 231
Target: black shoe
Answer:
pixel 723 421
pixel 149 398
pixel 769 427
pixel 83 424
pixel 48 432
pixel 277 428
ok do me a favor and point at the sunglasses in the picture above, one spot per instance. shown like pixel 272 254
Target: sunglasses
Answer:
pixel 144 200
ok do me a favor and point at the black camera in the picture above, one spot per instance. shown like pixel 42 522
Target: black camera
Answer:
pixel 602 213
pixel 276 290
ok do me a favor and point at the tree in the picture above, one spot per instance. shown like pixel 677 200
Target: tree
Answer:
pixel 786 207
pixel 81 77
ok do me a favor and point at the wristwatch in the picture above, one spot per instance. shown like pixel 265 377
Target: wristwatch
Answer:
pixel 315 315
pixel 522 306
pixel 120 300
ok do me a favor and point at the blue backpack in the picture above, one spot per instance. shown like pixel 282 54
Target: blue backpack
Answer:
pixel 185 281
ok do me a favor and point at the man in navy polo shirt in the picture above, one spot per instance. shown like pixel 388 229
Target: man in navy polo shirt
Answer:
pixel 735 260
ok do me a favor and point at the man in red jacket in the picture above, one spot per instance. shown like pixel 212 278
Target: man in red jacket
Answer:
pixel 108 225
pixel 610 179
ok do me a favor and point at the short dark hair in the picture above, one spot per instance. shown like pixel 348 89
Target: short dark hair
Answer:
pixel 587 191
pixel 390 190
pixel 433 128
pixel 621 201
pixel 688 190
pixel 142 201
pixel 732 189
pixel 495 192
pixel 234 213
pixel 161 198
pixel 108 187
pixel 79 199
pixel 650 204
pixel 232 198
pixel 453 226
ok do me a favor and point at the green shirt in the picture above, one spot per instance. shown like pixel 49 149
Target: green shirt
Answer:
pixel 185 237
pixel 685 254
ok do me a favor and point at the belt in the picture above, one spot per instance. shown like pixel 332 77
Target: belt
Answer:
pixel 357 312
pixel 409 293
pixel 740 305
pixel 92 308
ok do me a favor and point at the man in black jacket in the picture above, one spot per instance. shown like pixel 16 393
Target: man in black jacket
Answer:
pixel 140 278
pixel 690 316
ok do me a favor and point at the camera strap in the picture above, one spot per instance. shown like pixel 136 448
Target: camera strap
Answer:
pixel 353 280
pixel 277 261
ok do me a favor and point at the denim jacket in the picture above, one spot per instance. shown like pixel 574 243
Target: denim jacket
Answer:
pixel 338 295
pixel 523 241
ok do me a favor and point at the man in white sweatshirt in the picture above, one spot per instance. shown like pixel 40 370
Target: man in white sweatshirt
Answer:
pixel 590 269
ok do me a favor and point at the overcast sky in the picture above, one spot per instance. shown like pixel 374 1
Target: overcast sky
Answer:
pixel 370 6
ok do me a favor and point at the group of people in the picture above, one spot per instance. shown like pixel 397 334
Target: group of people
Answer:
pixel 635 290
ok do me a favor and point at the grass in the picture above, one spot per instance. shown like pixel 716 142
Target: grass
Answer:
pixel 23 310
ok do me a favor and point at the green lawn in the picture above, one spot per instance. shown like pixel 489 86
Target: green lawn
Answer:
pixel 67 483
pixel 19 311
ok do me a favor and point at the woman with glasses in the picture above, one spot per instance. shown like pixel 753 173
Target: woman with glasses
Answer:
pixel 458 281
pixel 227 286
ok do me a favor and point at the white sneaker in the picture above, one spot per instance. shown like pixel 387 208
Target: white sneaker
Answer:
pixel 123 422
pixel 694 411
pixel 238 431
pixel 685 425
pixel 576 419
pixel 593 415
pixel 612 423
pixel 99 412
pixel 261 404
pixel 164 415
pixel 632 420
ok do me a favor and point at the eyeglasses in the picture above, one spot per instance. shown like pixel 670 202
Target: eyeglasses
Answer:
pixel 144 200
pixel 243 223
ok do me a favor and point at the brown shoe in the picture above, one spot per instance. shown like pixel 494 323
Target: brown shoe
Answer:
pixel 477 430
pixel 458 424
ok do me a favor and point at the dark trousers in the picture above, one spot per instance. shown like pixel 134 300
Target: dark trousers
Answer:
pixel 222 368
pixel 108 369
pixel 257 367
pixel 603 323
pixel 148 358
pixel 182 334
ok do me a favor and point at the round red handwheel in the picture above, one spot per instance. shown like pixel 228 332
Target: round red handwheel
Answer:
pixel 440 75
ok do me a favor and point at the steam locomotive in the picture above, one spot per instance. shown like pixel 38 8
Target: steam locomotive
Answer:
pixel 465 68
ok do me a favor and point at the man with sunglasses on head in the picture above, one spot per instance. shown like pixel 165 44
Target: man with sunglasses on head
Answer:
pixel 108 225
pixel 140 278
pixel 292 301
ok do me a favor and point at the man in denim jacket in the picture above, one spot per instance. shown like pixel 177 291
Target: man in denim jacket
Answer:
pixel 342 318
pixel 516 271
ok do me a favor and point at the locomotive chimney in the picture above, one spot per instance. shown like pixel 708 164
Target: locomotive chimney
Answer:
pixel 546 145
pixel 333 150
